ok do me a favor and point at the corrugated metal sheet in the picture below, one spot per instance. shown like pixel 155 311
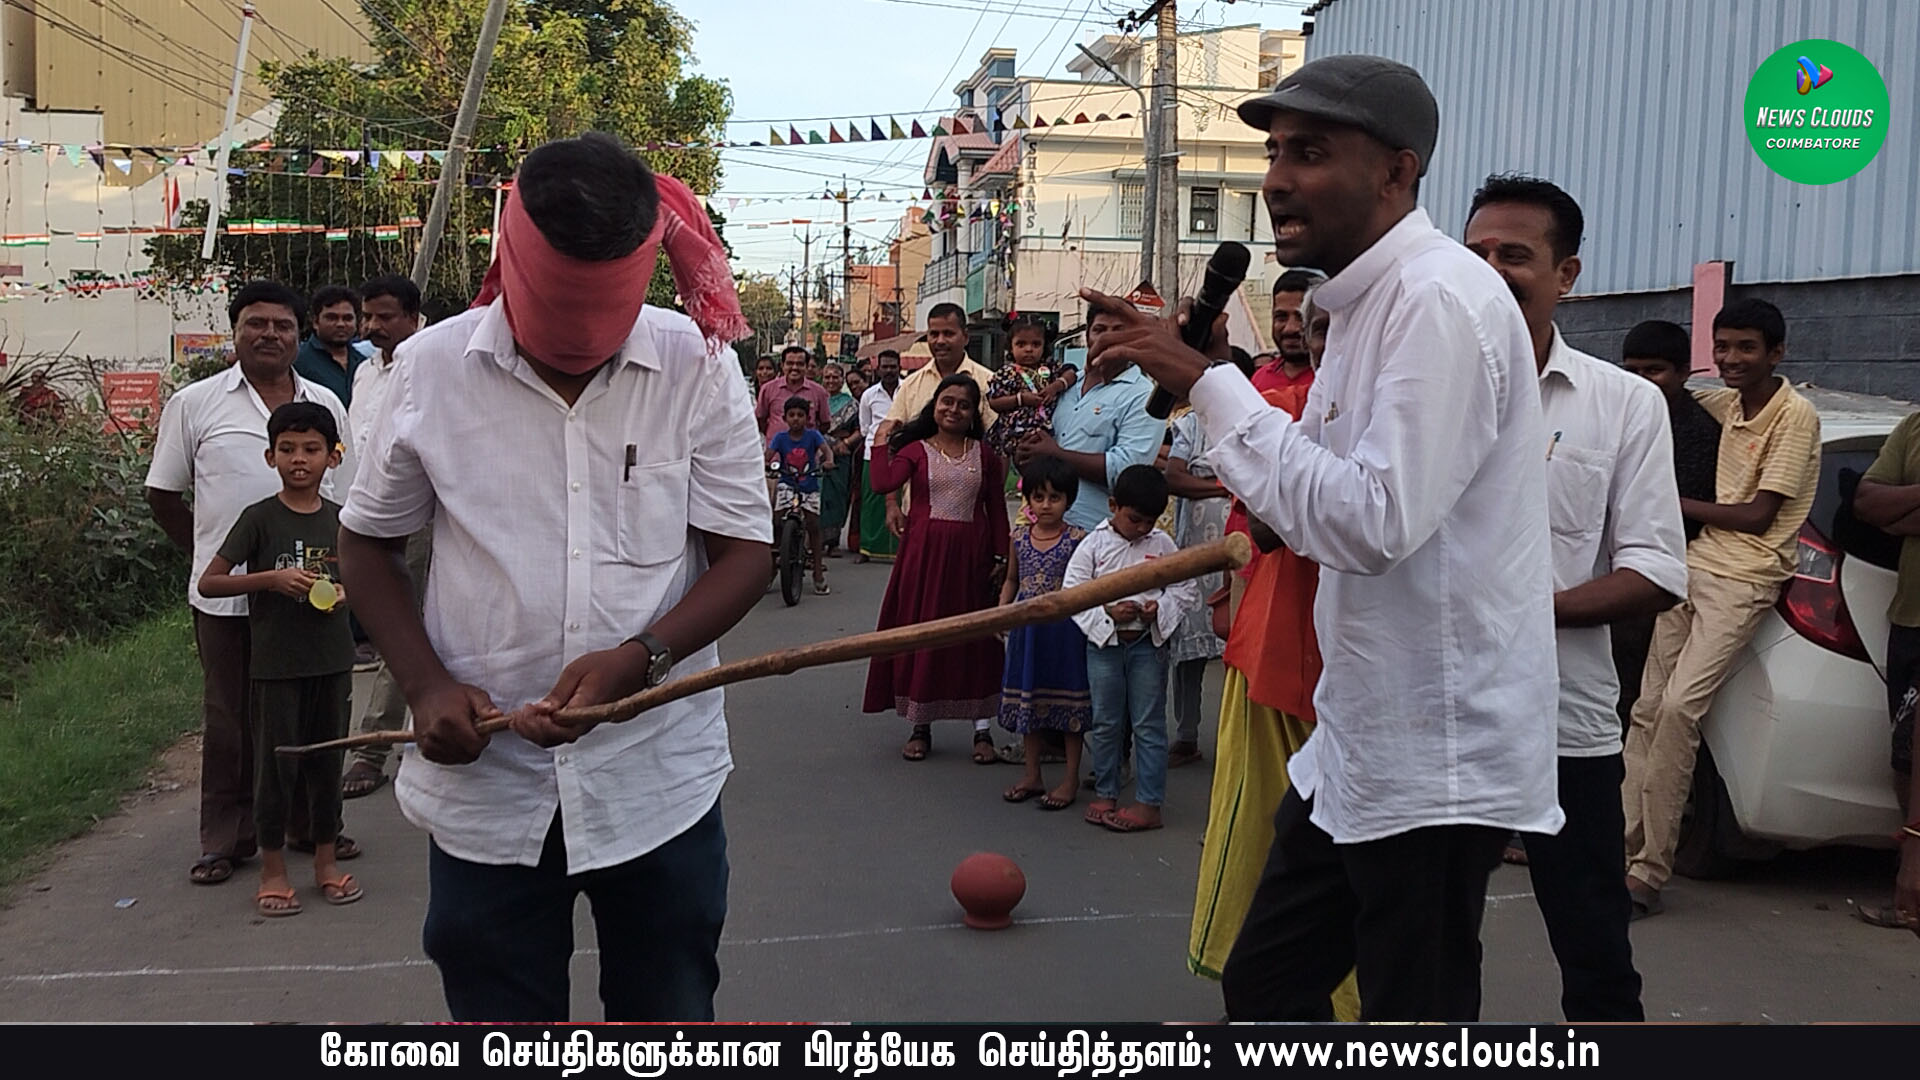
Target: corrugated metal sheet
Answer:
pixel 1635 107
pixel 159 69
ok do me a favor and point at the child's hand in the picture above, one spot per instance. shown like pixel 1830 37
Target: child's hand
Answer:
pixel 1123 611
pixel 293 582
pixel 339 595
pixel 1152 611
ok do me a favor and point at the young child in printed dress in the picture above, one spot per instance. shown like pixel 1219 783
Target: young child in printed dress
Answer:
pixel 1045 688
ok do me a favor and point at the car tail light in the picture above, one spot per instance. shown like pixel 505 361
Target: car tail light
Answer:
pixel 1812 603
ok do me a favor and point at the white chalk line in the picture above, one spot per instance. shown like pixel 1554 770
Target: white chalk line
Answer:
pixel 46 978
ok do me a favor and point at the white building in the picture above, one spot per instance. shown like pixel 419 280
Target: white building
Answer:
pixel 1044 208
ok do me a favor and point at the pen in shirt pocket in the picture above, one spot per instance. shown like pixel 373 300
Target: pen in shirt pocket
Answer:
pixel 1550 445
pixel 633 458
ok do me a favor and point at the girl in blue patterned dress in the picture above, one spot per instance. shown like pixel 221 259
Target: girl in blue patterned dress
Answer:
pixel 1045 688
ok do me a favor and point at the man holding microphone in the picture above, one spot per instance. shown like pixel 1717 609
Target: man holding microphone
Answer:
pixel 1416 478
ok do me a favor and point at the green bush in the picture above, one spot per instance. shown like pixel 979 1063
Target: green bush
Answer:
pixel 80 554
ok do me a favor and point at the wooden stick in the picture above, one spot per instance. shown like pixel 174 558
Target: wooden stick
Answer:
pixel 1229 553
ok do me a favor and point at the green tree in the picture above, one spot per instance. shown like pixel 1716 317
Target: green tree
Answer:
pixel 561 67
pixel 764 303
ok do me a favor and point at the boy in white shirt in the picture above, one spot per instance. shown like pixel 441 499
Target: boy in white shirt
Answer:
pixel 1127 650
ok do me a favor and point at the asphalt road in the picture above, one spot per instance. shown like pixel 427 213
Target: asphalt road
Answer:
pixel 841 853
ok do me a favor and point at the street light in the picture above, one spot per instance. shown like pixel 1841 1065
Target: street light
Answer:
pixel 1150 200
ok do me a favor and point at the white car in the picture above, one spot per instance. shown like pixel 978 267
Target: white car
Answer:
pixel 1795 751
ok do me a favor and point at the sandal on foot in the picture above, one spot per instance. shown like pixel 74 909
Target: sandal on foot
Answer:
pixel 1125 821
pixel 984 752
pixel 1885 916
pixel 210 870
pixel 341 890
pixel 287 903
pixel 1017 793
pixel 1646 901
pixel 1098 809
pixel 1183 754
pixel 1048 802
pixel 362 778
pixel 918 743
pixel 820 588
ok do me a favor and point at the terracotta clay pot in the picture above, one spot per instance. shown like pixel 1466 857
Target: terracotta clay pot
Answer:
pixel 988 886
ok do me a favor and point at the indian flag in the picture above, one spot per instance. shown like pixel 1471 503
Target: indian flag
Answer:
pixel 87 238
pixel 335 236
pixel 386 232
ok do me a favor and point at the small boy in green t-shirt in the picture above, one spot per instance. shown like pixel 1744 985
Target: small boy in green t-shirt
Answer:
pixel 301 647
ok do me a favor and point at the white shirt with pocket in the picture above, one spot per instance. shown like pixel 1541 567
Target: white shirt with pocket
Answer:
pixel 1416 478
pixel 212 441
pixel 558 531
pixel 1613 504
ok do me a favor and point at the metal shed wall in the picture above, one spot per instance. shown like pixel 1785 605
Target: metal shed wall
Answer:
pixel 1636 108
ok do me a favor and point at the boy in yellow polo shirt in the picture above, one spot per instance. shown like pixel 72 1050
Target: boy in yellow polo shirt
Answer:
pixel 1768 466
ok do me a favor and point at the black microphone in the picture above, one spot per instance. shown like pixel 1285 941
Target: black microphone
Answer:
pixel 1226 270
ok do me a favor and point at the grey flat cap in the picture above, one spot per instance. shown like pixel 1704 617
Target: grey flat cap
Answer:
pixel 1384 98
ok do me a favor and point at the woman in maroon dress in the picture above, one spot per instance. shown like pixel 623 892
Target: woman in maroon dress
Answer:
pixel 952 560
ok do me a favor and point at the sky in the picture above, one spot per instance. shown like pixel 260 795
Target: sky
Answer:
pixel 807 63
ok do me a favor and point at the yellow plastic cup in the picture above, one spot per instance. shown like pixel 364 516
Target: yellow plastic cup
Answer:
pixel 323 595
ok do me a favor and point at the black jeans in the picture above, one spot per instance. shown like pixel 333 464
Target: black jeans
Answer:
pixel 1582 892
pixel 1404 910
pixel 502 936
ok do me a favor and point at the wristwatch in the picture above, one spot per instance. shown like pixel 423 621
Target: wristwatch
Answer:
pixel 661 661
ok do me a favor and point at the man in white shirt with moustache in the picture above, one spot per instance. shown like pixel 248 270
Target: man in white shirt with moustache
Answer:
pixel 1619 552
pixel 876 540
pixel 1417 480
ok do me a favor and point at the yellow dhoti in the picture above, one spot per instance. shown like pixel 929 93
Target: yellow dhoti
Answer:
pixel 1249 779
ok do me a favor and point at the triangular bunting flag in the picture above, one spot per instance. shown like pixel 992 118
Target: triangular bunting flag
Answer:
pixel 1101 117
pixel 927 218
pixel 732 203
pixel 123 164
pixel 416 156
pixel 774 139
pixel 1081 119
pixel 896 132
pixel 1059 121
pixel 437 155
pixel 926 193
pixel 1019 124
pixel 918 131
pixel 1039 122
pixel 833 134
pixel 960 127
pixel 353 156
pixel 332 155
pixel 318 168
pixel 395 159
pixel 74 153
pixel 853 133
pixel 940 130
pixel 814 139
pixel 875 135
pixel 999 122
pixel 794 137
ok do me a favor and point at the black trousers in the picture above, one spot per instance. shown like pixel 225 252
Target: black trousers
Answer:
pixel 502 936
pixel 1404 910
pixel 291 712
pixel 1582 892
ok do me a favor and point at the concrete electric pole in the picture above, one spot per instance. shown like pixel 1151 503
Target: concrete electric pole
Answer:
pixel 1166 166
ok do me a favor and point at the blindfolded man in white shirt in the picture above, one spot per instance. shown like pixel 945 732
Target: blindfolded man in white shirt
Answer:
pixel 1417 480
pixel 593 477
pixel 1619 552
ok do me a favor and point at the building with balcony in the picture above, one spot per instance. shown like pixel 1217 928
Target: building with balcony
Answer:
pixel 1040 211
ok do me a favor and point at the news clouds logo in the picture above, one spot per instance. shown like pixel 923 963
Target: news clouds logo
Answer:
pixel 1816 111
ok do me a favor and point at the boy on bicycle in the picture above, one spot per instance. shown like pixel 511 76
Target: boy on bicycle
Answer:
pixel 799 453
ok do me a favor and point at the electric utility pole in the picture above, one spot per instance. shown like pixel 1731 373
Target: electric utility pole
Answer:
pixel 1167 150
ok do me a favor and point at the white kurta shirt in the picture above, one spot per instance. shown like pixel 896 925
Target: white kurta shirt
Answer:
pixel 1416 478
pixel 546 546
pixel 874 403
pixel 1613 504
pixel 213 441
pixel 1105 552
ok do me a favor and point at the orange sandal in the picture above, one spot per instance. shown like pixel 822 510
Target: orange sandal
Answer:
pixel 288 903
pixel 341 890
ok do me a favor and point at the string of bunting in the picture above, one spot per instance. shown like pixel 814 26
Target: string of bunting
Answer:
pixel 122 157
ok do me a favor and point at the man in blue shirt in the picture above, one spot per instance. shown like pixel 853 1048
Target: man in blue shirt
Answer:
pixel 328 356
pixel 1100 426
